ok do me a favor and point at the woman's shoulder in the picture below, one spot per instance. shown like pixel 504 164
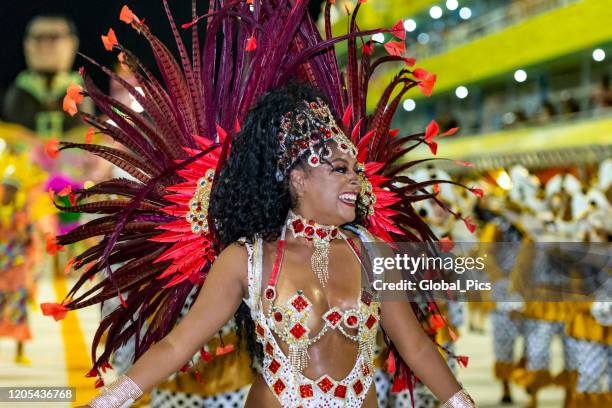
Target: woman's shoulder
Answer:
pixel 235 254
pixel 241 247
pixel 359 233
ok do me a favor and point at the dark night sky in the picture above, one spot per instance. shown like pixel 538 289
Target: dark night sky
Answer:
pixel 92 18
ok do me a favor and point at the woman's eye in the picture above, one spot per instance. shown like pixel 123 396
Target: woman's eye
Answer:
pixel 341 169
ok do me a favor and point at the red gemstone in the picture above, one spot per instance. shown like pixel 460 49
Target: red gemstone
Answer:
pixel 298 226
pixel 334 129
pixel 334 233
pixel 343 146
pixel 269 348
pixel 306 391
pixel 270 293
pixel 321 233
pixel 274 366
pixel 351 321
pixel 366 298
pixel 327 133
pixel 278 316
pixel 278 386
pixel 358 387
pixel 297 330
pixel 333 317
pixel 325 384
pixel 340 391
pixel 299 303
pixel 365 369
pixel 370 322
pixel 309 231
pixel 314 159
pixel 259 330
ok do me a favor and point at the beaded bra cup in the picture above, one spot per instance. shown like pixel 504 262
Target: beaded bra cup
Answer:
pixel 283 373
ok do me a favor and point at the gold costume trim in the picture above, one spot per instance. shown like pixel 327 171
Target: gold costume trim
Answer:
pixel 590 399
pixel 532 380
pixel 504 371
pixel 582 325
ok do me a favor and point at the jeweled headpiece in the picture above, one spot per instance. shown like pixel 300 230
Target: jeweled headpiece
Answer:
pixel 308 129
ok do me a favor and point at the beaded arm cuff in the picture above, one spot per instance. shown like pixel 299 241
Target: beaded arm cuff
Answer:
pixel 461 399
pixel 120 394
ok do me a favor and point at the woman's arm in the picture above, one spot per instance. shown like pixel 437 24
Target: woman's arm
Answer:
pixel 218 300
pixel 417 350
pixel 415 347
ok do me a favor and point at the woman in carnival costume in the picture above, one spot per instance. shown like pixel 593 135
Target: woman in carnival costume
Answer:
pixel 589 323
pixel 539 277
pixel 263 178
pixel 19 207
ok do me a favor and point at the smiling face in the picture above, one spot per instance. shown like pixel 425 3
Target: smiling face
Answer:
pixel 327 193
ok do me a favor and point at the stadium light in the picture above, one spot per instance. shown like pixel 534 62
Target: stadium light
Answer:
pixel 435 12
pixel 410 25
pixel 379 38
pixel 409 105
pixel 461 92
pixel 504 181
pixel 520 75
pixel 452 4
pixel 599 55
pixel 423 38
pixel 465 13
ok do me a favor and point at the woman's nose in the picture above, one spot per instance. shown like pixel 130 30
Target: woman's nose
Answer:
pixel 353 177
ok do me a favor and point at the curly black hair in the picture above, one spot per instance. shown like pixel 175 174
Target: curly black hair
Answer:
pixel 247 200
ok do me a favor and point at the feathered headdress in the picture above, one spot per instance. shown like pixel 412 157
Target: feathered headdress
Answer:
pixel 157 240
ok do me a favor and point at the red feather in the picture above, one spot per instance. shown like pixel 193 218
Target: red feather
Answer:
pixel 398 30
pixel 395 48
pixel 346 117
pixel 57 310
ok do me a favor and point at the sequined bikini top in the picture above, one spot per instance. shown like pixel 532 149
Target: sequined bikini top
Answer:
pixel 289 321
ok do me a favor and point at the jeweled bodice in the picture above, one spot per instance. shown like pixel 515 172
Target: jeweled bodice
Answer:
pixel 287 322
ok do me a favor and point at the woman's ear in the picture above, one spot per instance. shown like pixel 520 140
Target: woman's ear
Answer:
pixel 297 180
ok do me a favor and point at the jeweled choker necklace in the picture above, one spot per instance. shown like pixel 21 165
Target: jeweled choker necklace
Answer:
pixel 321 235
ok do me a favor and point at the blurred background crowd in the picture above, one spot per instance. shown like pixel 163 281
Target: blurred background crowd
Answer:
pixel 527 82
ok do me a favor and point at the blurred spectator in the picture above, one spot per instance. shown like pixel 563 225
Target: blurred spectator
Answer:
pixel 546 112
pixel 570 105
pixel 34 100
pixel 602 95
pixel 515 118
pixel 447 120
